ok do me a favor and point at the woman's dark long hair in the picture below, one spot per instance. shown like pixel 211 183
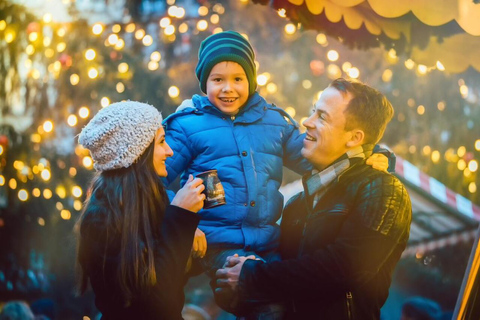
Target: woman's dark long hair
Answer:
pixel 135 199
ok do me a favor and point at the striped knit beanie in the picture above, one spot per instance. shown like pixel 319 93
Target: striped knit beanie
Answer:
pixel 226 46
pixel 120 133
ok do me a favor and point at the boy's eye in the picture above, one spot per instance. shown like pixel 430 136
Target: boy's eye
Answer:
pixel 238 79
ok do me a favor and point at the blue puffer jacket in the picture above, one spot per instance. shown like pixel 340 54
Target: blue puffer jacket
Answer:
pixel 249 151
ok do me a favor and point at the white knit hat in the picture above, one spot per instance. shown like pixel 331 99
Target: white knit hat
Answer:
pixel 119 134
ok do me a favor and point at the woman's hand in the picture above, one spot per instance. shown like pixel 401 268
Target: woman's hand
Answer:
pixel 190 197
pixel 199 247
pixel 378 161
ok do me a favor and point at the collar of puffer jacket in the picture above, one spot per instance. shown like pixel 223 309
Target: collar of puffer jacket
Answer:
pixel 254 108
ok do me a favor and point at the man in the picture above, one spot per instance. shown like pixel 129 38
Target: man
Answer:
pixel 342 237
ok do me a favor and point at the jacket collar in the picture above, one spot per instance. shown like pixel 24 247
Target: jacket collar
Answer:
pixel 250 112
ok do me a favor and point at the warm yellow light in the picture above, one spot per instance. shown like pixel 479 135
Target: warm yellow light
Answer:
pixel 33 36
pixel 387 75
pixel 123 67
pixel 169 30
pixel 307 84
pixel 441 106
pixel 291 111
pixel 317 96
pixel 461 151
pixel 47 18
pixel 173 92
pixel 155 56
pixel 22 195
pixel 464 91
pixel 47 41
pixel 74 79
pixel 130 27
pixel 97 29
pixel 147 40
pixel 61 46
pixel 87 162
pixel 41 221
pixel 440 66
pixel 332 55
pixel 183 28
pixel 90 54
pixel 139 34
pixel 262 80
pixel 152 65
pixel 409 64
pixel 435 156
pixel 177 12
pixel 72 172
pixel 422 69
pixel 61 32
pixel 353 73
pixel 12 183
pixel 412 149
pixel 473 165
pixel 10 36
pixel 346 66
pixel 35 138
pixel 164 22
pixel 271 88
pixel 461 165
pixel 30 50
pixel 105 101
pixel 215 18
pixel 61 192
pixel 112 39
pixel 19 165
pixel 65 214
pixel 116 28
pixel 77 191
pixel 426 150
pixel 72 120
pixel 83 112
pixel 2 180
pixel 77 205
pixel 218 8
pixel 1 150
pixel 290 28
pixel 47 193
pixel 36 192
pixel 420 109
pixel 59 205
pixel 48 126
pixel 217 30
pixel 3 25
pixel 321 39
pixel 202 25
pixel 120 87
pixel 46 175
pixel 92 73
pixel 35 74
pixel 202 11
pixel 120 44
pixel 282 12
pixel 472 187
pixel 334 71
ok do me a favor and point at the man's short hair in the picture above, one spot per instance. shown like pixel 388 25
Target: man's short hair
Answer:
pixel 368 109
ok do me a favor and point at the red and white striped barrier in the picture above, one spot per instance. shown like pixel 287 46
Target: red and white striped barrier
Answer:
pixel 436 189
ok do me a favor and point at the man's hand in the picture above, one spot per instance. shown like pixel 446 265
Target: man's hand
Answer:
pixel 378 161
pixel 199 247
pixel 227 278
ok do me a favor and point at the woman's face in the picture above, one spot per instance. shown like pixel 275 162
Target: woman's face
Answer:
pixel 161 152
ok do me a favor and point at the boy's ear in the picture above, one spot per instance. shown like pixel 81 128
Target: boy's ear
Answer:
pixel 357 139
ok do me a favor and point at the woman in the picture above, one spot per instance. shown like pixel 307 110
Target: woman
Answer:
pixel 132 245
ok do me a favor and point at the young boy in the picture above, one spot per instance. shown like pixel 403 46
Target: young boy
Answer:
pixel 234 130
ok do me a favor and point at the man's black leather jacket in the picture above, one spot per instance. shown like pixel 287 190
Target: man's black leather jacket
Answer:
pixel 338 258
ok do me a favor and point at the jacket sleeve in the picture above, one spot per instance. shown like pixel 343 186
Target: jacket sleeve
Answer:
pixel 377 228
pixel 293 145
pixel 182 155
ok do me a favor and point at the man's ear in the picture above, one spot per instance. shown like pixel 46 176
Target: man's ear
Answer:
pixel 357 139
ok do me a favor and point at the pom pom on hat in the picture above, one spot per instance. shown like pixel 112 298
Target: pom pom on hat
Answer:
pixel 119 134
pixel 226 46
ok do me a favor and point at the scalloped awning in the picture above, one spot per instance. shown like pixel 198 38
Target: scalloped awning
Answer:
pixel 426 30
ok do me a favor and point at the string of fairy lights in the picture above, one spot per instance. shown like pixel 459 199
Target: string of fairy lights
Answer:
pixel 46 37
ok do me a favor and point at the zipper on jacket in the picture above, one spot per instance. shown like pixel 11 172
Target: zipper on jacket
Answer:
pixel 349 305
pixel 232 118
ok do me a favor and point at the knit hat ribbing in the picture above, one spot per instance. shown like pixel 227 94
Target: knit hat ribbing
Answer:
pixel 119 134
pixel 226 46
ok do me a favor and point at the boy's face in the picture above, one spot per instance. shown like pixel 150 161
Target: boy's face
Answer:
pixel 227 87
